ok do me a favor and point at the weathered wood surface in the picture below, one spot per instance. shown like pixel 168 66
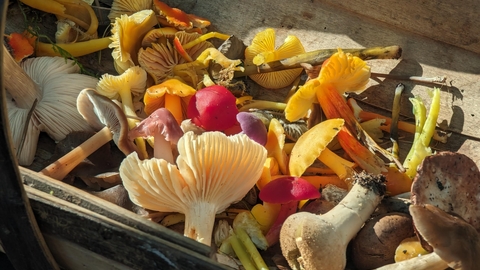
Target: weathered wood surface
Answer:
pixel 111 239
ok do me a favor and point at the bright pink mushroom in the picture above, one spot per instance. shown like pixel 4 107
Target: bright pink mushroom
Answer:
pixel 287 191
pixel 213 108
pixel 253 127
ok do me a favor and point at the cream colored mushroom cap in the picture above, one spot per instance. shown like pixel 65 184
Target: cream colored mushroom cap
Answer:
pixel 128 7
pixel 212 167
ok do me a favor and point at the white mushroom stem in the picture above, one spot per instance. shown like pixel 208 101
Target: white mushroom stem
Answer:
pixel 64 165
pixel 18 84
pixel 162 149
pixel 199 221
pixel 430 261
pixel 310 241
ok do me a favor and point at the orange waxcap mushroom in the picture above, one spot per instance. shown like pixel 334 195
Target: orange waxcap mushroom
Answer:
pixel 262 50
pixel 20 46
pixel 128 32
pixel 173 16
pixel 172 94
pixel 212 171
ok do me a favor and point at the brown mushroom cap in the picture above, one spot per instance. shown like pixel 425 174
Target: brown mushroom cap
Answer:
pixel 100 111
pixel 449 181
pixel 454 240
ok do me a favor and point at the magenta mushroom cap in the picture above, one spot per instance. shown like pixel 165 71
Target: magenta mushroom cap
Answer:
pixel 287 189
pixel 213 108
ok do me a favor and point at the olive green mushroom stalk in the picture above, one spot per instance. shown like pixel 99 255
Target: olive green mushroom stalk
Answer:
pixel 212 171
pixel 310 241
pixel 317 57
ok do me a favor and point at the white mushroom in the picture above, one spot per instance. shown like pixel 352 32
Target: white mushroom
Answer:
pixel 212 172
pixel 52 83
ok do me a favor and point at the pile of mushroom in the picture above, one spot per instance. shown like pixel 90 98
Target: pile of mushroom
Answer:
pixel 194 146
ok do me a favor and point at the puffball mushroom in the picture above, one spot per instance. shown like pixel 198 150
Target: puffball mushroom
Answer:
pixel 107 118
pixel 164 129
pixel 213 108
pixel 212 171
pixel 53 83
pixel 310 241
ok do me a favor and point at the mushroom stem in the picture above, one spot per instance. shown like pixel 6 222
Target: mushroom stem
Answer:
pixel 74 49
pixel 433 80
pixel 18 84
pixel 162 149
pixel 316 58
pixel 173 104
pixel 199 222
pixel 205 38
pixel 310 241
pixel 286 210
pixel 430 261
pixel 263 104
pixel 60 168
pixel 335 162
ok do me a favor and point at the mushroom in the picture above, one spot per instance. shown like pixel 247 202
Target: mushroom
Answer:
pixel 127 7
pixel 456 243
pixel 262 50
pixel 213 108
pixel 160 59
pixel 122 87
pixel 164 129
pixel 449 181
pixel 310 241
pixel 42 93
pixel 286 191
pixel 171 94
pixel 107 118
pixel 213 170
pixel 253 127
pixel 127 35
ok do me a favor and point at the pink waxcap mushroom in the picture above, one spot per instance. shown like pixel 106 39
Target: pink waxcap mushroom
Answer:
pixel 286 189
pixel 164 129
pixel 213 108
pixel 253 127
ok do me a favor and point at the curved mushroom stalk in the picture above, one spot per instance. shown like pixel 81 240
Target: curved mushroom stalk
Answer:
pixel 311 241
pixel 103 115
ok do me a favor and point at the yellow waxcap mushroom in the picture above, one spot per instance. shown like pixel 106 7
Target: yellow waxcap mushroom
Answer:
pixel 313 144
pixel 275 144
pixel 128 32
pixel 127 7
pixel 172 94
pixel 213 171
pixel 262 50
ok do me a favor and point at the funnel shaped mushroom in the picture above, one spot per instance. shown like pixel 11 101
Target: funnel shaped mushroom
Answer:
pixel 262 50
pixel 110 122
pixel 213 108
pixel 212 172
pixel 310 241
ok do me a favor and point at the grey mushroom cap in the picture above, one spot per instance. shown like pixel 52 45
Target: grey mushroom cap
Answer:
pixel 100 111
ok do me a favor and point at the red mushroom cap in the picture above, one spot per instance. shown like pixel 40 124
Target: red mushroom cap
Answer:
pixel 286 189
pixel 213 108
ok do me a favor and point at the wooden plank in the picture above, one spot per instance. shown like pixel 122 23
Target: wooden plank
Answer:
pixel 88 201
pixel 111 239
pixel 455 23
pixel 21 239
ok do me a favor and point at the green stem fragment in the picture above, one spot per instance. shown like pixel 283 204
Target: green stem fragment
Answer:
pixel 251 248
pixel 425 128
pixel 395 115
pixel 241 253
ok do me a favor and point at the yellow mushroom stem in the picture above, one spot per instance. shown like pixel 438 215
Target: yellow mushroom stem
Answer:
pixel 204 38
pixel 173 103
pixel 181 50
pixel 60 168
pixel 75 49
pixel 263 104
pixel 335 162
